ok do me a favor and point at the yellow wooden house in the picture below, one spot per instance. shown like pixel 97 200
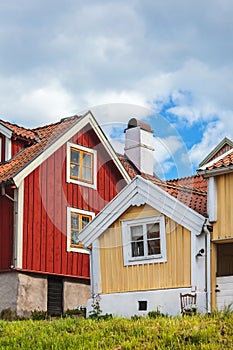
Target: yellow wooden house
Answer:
pixel 219 173
pixel 147 248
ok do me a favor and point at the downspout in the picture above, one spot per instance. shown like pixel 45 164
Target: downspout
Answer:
pixel 207 266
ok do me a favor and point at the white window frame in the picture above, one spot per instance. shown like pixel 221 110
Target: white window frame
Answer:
pixel 94 169
pixel 70 210
pixel 126 239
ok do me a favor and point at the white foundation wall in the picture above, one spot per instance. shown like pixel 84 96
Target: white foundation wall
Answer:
pixel 75 294
pixel 127 304
pixel 8 290
pixel 32 294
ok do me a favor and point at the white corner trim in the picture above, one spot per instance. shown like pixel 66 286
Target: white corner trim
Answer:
pixel 7 148
pixel 212 199
pixel 193 261
pixel 68 232
pixel 18 234
pixel 96 280
pixel 86 149
pixel 81 123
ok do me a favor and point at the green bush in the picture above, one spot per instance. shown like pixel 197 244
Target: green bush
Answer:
pixel 9 315
pixel 38 315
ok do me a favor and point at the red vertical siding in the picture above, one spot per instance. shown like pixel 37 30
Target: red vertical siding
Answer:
pixel 6 231
pixel 17 145
pixel 47 196
pixel 3 148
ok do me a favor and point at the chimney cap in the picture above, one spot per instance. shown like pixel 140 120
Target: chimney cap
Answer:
pixel 133 123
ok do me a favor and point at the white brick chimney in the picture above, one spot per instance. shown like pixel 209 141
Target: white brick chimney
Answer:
pixel 139 145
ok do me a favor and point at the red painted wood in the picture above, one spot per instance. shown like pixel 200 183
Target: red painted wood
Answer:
pixel 6 231
pixel 47 196
pixel 3 148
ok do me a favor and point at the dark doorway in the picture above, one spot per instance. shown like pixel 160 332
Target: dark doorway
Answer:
pixel 55 296
pixel 225 259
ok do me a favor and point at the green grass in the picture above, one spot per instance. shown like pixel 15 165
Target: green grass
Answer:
pixel 197 332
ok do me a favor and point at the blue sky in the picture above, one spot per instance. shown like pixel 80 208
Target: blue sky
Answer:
pixel 166 62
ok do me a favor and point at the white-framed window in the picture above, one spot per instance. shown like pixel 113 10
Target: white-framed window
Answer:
pixel 77 219
pixel 144 240
pixel 81 165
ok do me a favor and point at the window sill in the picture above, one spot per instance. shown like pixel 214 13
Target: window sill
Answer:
pixel 145 260
pixel 78 250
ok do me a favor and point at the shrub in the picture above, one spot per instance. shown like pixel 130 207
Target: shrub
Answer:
pixel 79 311
pixel 9 315
pixel 38 315
pixel 156 313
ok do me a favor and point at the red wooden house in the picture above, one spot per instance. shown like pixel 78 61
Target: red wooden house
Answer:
pixel 54 180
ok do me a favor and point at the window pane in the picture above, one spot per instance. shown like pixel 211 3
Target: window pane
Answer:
pixel 153 231
pixel 87 159
pixel 137 245
pixel 87 174
pixel 137 248
pixel 85 221
pixel 153 247
pixel 74 237
pixel 153 239
pixel 75 156
pixel 75 170
pixel 74 221
pixel 136 232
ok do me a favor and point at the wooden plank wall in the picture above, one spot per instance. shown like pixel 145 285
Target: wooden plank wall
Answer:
pixel 174 273
pixel 223 228
pixel 47 195
pixel 6 231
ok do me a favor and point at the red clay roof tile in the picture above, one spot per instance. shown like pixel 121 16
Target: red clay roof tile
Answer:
pixel 20 131
pixel 47 135
pixel 191 191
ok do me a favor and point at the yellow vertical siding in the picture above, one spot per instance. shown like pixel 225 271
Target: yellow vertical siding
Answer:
pixel 223 228
pixel 173 273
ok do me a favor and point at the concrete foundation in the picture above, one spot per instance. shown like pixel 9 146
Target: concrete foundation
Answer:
pixel 8 290
pixel 75 294
pixel 26 292
pixel 32 294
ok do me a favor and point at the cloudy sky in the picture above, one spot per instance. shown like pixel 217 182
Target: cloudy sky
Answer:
pixel 168 62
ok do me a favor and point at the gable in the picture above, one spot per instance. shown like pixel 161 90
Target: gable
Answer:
pixel 140 192
pixel 24 163
pixel 224 146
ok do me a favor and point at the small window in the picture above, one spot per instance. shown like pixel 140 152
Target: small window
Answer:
pixel 142 305
pixel 81 165
pixel 144 240
pixel 77 219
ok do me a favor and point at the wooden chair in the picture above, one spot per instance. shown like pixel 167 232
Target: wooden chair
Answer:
pixel 188 303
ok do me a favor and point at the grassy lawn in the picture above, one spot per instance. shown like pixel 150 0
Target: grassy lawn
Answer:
pixel 194 332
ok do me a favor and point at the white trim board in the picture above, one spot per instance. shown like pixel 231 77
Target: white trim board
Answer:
pixel 139 192
pixel 5 131
pixel 51 148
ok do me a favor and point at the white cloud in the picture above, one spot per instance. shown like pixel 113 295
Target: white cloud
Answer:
pixel 59 58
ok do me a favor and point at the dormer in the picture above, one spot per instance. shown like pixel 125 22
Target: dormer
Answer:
pixel 5 143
